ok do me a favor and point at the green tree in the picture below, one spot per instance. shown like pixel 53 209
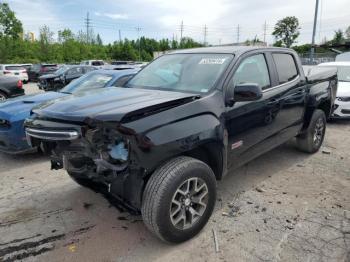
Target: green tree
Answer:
pixel 287 30
pixel 98 40
pixel 9 24
pixel 338 37
pixel 46 41
pixel 347 32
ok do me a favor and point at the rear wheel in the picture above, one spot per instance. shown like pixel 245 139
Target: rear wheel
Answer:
pixel 3 96
pixel 179 199
pixel 312 139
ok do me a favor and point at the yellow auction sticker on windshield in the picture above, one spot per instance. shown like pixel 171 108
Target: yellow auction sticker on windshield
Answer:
pixel 212 61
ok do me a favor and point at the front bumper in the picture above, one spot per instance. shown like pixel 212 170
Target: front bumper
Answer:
pixel 76 148
pixel 342 109
pixel 13 139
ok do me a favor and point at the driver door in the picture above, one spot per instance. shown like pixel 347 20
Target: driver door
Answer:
pixel 250 124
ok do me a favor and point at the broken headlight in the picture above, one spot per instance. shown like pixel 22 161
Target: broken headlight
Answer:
pixel 118 152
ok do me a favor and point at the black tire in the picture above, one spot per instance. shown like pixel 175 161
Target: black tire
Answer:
pixel 161 190
pixel 307 142
pixel 3 96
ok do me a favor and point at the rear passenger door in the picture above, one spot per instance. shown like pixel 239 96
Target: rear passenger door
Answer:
pixel 289 94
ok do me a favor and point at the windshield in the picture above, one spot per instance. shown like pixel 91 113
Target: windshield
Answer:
pixel 344 73
pixel 88 81
pixel 61 70
pixel 182 72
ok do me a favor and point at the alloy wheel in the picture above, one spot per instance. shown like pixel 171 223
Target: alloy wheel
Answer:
pixel 189 203
pixel 319 131
pixel 2 97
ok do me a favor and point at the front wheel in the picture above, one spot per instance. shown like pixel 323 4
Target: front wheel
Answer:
pixel 179 199
pixel 3 97
pixel 312 139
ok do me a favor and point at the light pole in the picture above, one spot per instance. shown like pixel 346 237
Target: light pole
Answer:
pixel 312 51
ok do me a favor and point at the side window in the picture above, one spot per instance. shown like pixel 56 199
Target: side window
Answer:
pixel 253 70
pixel 122 80
pixel 74 71
pixel 286 67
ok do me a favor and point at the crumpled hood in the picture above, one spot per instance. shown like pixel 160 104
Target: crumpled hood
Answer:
pixel 21 104
pixel 343 89
pixel 111 104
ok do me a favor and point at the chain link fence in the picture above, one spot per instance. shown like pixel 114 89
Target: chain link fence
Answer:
pixel 318 58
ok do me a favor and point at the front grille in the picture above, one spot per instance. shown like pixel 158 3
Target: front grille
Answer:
pixel 344 99
pixel 345 111
pixel 56 135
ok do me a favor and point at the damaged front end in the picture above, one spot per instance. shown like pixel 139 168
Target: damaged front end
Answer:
pixel 100 153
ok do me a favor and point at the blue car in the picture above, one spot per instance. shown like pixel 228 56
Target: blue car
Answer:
pixel 13 112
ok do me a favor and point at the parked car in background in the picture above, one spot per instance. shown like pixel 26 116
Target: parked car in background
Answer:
pixel 14 112
pixel 97 63
pixel 343 57
pixel 10 87
pixel 38 70
pixel 27 66
pixel 12 70
pixel 188 119
pixel 342 102
pixel 63 76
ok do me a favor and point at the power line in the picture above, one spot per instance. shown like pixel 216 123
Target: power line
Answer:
pixel 181 30
pixel 138 29
pixel 265 28
pixel 87 23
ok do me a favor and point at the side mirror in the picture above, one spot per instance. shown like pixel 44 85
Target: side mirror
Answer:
pixel 247 92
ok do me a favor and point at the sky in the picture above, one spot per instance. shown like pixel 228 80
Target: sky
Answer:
pixel 162 18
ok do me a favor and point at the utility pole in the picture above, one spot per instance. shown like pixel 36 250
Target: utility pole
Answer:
pixel 312 51
pixel 265 29
pixel 181 30
pixel 87 23
pixel 238 32
pixel 205 35
pixel 120 36
pixel 138 29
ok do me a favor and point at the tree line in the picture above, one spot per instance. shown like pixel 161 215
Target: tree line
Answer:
pixel 69 47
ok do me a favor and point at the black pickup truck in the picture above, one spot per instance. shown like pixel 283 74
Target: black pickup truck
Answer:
pixel 188 119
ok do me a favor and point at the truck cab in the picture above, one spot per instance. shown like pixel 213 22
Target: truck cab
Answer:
pixel 187 119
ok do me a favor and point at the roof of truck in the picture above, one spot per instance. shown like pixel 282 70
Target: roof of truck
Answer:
pixel 227 49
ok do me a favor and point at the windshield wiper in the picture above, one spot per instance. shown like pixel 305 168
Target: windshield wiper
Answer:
pixel 68 93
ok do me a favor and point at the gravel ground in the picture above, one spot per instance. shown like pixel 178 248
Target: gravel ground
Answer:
pixel 31 88
pixel 283 206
